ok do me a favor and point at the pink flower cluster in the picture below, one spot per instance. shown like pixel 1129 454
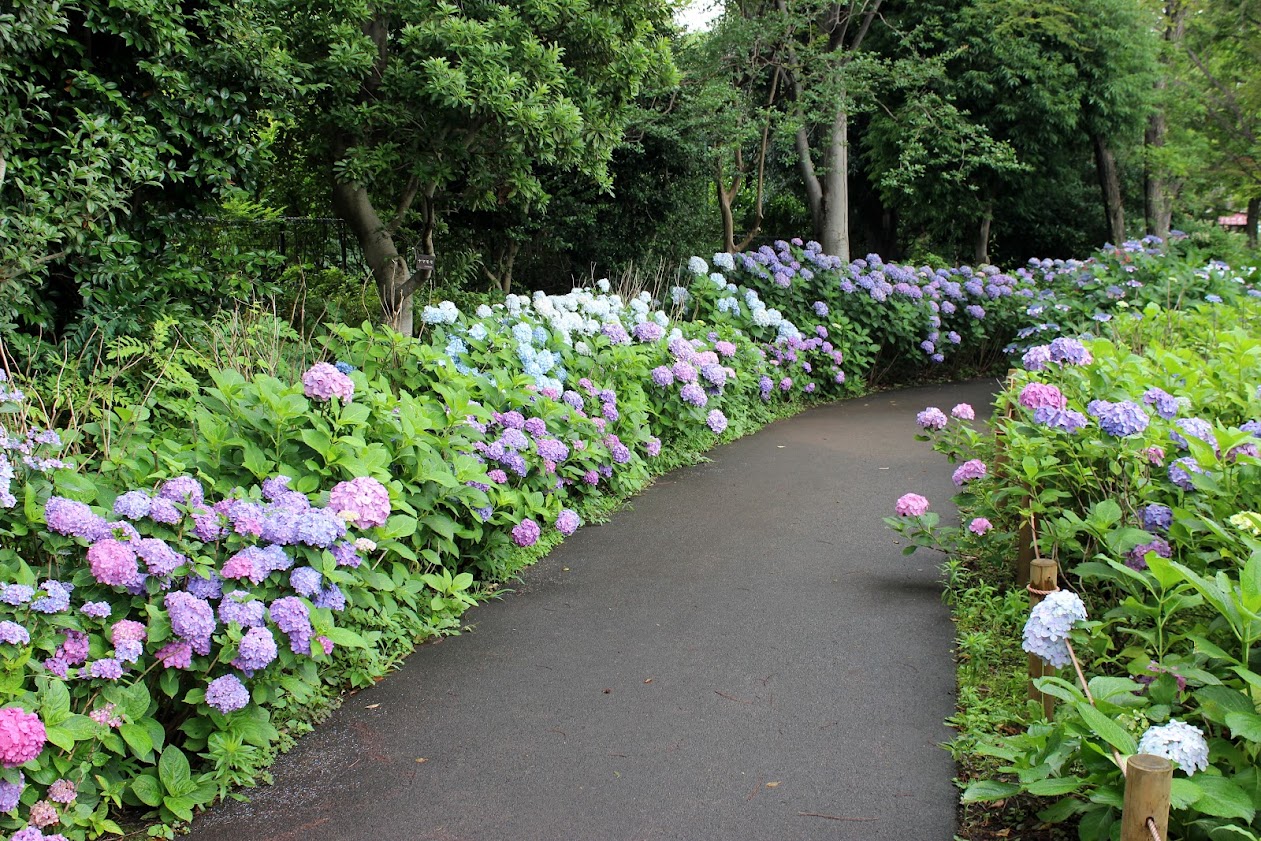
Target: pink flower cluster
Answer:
pixel 22 736
pixel 363 500
pixel 1042 396
pixel 323 382
pixel 911 505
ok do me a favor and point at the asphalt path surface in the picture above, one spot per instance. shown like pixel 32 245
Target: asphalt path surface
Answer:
pixel 741 653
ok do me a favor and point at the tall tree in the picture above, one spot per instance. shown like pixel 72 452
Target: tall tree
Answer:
pixel 420 104
pixel 111 116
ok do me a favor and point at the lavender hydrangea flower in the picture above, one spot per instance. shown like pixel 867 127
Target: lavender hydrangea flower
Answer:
pixel 318 527
pixel 113 563
pixel 204 588
pixel 716 421
pixel 56 598
pixel 963 411
pixel 175 655
pixel 1119 419
pixel 106 669
pixel 294 620
pixel 256 650
pixel 969 471
pixel 305 581
pixel 911 505
pixel 62 791
pixel 1066 419
pixel 1165 404
pixel 1068 350
pixel 979 526
pixel 240 607
pixel 72 518
pixel 694 395
pixel 931 418
pixel 183 490
pixel 11 793
pixel 134 505
pixel 16 594
pixel 526 533
pixel 159 558
pixel 1196 428
pixel 1156 517
pixel 227 694
pixel 192 619
pixel 13 633
pixel 1180 472
pixel 1046 631
pixel 1178 742
pixel 276 486
pixel 1036 358
pixel 1137 558
pixel 567 522
pixel 552 450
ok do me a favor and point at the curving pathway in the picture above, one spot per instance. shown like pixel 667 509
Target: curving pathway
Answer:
pixel 744 653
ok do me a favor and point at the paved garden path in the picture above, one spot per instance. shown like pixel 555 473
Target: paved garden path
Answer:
pixel 744 653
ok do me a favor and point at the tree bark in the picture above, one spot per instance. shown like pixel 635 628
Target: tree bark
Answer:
pixel 1157 207
pixel 389 268
pixel 1110 185
pixel 981 255
pixel 1254 207
pixel 836 188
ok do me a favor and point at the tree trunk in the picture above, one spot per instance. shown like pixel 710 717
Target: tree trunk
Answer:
pixel 389 268
pixel 982 253
pixel 1254 206
pixel 836 188
pixel 1110 184
pixel 814 190
pixel 1157 207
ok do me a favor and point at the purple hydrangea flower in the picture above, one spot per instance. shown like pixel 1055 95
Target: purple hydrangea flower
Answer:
pixel 551 449
pixel 963 411
pixel 694 395
pixel 74 649
pixel 1165 404
pixel 274 487
pixel 1180 472
pixel 16 594
pixel 64 792
pixel 648 331
pixel 716 421
pixel 240 607
pixel 134 505
pixel 969 471
pixel 317 527
pixel 184 490
pixel 227 694
pixel 106 669
pixel 1196 428
pixel 514 440
pixel 567 522
pixel 1137 559
pixel 56 598
pixel 1156 517
pixel 256 650
pixel 346 555
pixel 931 418
pixel 192 619
pixel 1036 358
pixel 204 588
pixel 113 563
pixel 330 598
pixel 68 517
pixel 1119 419
pixel 536 426
pixel 979 526
pixel 292 617
pixel 11 793
pixel 1066 419
pixel 159 558
pixel 305 581
pixel 511 419
pixel 526 533
pixel 13 633
pixel 175 655
pixel 1068 350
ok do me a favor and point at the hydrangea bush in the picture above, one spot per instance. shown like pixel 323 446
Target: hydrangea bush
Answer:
pixel 1136 457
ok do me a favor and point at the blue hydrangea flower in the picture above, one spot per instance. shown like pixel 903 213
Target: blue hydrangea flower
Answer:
pixel 1046 631
pixel 1178 742
pixel 1157 518
pixel 227 694
pixel 1119 419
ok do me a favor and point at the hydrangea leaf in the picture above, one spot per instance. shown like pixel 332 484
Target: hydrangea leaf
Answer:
pixel 1222 798
pixel 1106 729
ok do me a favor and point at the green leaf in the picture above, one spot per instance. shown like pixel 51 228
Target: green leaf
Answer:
pixel 137 736
pixel 1216 702
pixel 54 702
pixel 398 527
pixel 1182 793
pixel 1246 725
pixel 1106 729
pixel 346 638
pixel 983 790
pixel 80 727
pixel 59 737
pixel 1054 786
pixel 181 807
pixel 148 789
pixel 173 768
pixel 1222 798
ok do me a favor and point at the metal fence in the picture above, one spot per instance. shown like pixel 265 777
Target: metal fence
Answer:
pixel 301 240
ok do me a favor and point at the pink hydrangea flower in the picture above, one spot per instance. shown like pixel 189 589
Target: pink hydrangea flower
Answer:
pixel 968 471
pixel 1042 396
pixel 22 736
pixel 980 526
pixel 365 498
pixel 963 411
pixel 911 505
pixel 113 562
pixel 323 382
pixel 1155 455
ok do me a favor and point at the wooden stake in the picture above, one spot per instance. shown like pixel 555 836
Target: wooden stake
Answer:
pixel 1147 783
pixel 1025 547
pixel 1043 576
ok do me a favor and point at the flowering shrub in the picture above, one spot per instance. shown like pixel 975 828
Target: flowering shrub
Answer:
pixel 1137 463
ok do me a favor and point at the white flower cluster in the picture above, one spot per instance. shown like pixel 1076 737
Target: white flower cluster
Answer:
pixel 444 313
pixel 1046 632
pixel 1181 743
pixel 723 260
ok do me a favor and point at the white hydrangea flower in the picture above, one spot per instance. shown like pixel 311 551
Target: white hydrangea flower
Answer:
pixel 718 280
pixel 679 295
pixel 723 260
pixel 698 266
pixel 1046 632
pixel 483 311
pixel 1179 742
pixel 603 284
pixel 582 349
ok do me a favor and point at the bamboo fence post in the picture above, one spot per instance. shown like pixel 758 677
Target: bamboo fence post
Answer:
pixel 1147 784
pixel 1043 579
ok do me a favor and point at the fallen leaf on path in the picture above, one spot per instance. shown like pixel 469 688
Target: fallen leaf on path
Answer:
pixel 421 759
pixel 773 785
pixel 372 706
